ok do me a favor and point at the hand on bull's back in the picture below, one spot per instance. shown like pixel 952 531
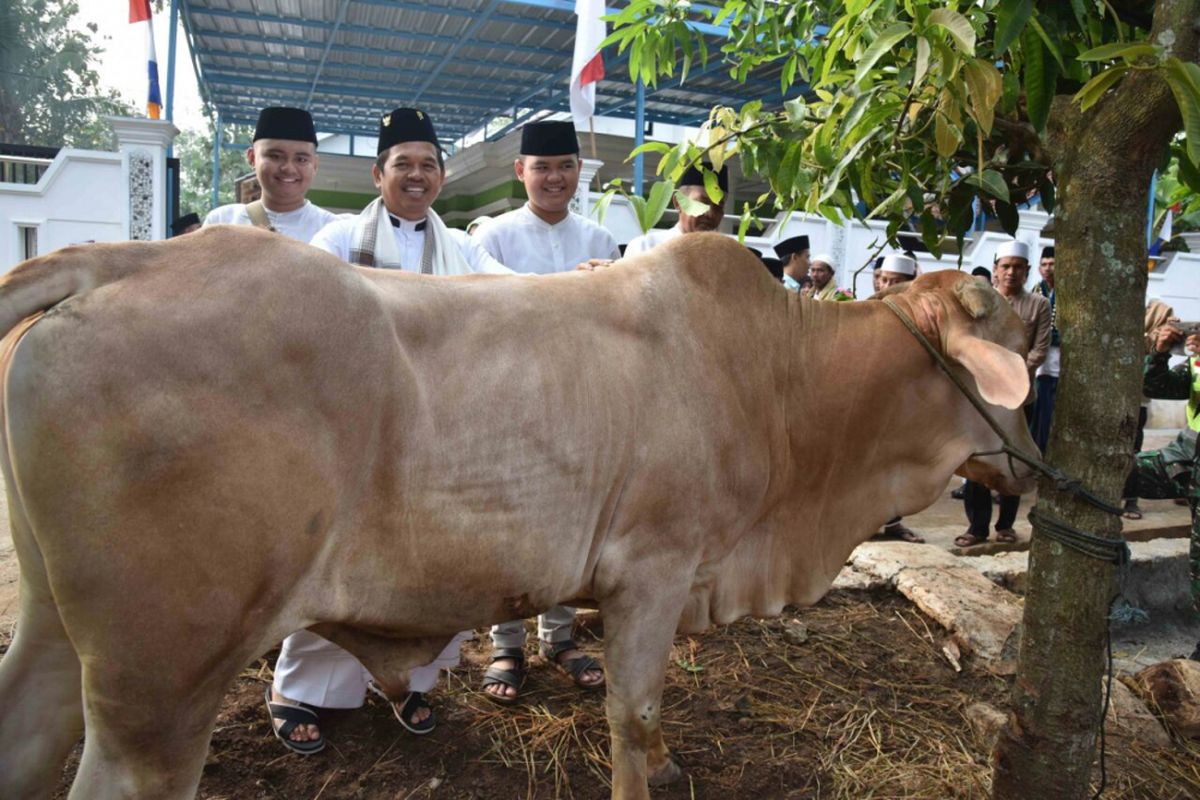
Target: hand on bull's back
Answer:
pixel 596 263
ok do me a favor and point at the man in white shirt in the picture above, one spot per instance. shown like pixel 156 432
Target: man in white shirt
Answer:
pixel 692 186
pixel 400 229
pixel 284 158
pixel 544 236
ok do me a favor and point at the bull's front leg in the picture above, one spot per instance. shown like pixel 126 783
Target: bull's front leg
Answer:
pixel 639 626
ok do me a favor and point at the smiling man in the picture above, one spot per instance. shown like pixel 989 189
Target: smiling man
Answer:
pixel 544 235
pixel 399 229
pixel 284 158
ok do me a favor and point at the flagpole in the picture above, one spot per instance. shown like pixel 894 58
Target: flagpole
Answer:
pixel 592 137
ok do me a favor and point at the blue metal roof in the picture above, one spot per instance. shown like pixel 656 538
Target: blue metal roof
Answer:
pixel 466 62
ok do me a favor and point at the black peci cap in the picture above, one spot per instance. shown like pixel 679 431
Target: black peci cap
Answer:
pixel 789 247
pixel 549 138
pixel 281 122
pixel 405 125
pixel 694 177
pixel 183 223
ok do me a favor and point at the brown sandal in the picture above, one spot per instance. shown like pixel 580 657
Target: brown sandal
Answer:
pixel 1006 536
pixel 969 539
pixel 575 667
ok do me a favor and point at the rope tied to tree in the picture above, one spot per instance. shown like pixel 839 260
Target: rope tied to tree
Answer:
pixel 1115 551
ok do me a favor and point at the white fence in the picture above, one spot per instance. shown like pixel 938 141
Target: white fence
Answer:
pixel 85 195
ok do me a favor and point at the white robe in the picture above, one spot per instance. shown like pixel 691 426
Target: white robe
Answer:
pixel 527 243
pixel 648 241
pixel 301 224
pixel 338 238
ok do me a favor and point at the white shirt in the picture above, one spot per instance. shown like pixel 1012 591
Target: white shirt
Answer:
pixel 301 224
pixel 648 241
pixel 338 237
pixel 526 242
pixel 1052 365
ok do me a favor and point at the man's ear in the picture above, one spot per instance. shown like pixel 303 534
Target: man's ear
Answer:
pixel 519 168
pixel 377 176
pixel 250 155
pixel 999 373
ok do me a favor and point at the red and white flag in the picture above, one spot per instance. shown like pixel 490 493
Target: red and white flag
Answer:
pixel 588 65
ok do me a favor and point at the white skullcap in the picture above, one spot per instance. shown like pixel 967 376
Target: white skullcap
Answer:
pixel 824 258
pixel 898 262
pixel 1014 249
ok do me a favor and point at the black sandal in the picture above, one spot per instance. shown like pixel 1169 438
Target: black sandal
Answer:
pixel 515 677
pixel 294 714
pixel 575 667
pixel 404 710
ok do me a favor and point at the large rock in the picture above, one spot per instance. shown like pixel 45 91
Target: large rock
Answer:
pixel 1172 689
pixel 984 618
pixel 1129 718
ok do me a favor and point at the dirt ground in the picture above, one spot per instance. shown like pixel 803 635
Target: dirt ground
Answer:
pixel 848 699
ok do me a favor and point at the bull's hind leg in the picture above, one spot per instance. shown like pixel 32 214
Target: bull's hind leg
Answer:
pixel 41 714
pixel 638 630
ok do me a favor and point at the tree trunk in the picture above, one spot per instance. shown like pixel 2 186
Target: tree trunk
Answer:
pixel 1103 161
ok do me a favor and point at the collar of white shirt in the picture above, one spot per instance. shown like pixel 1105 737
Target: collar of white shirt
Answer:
pixel 406 225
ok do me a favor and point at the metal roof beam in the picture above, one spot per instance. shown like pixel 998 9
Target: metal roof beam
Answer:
pixel 307 65
pixel 457 11
pixel 368 30
pixel 341 17
pixel 397 95
pixel 369 51
pixel 568 6
pixel 466 38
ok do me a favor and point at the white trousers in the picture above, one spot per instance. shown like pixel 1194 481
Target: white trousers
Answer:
pixel 316 671
pixel 554 626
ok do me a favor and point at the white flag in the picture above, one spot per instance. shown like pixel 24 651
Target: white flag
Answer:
pixel 588 66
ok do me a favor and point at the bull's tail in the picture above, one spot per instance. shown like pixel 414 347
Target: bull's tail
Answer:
pixel 39 283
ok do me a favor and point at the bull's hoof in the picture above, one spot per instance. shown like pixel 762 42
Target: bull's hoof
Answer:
pixel 668 773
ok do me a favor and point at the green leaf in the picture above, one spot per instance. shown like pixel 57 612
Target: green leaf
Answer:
pixel 1094 89
pixel 985 85
pixel 689 206
pixel 1189 174
pixel 795 109
pixel 884 43
pixel 1041 79
pixel 1126 50
pixel 1010 218
pixel 649 147
pixel 660 198
pixel 1048 192
pixel 1184 80
pixel 712 188
pixel 1047 40
pixel 744 223
pixel 638 204
pixel 601 206
pixel 1011 17
pixel 957 26
pixel 946 136
pixel 991 182
pixel 922 62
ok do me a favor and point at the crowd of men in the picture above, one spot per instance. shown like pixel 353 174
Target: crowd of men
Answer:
pixel 400 230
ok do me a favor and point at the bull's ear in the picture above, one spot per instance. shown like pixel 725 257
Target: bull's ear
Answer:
pixel 1000 373
pixel 977 298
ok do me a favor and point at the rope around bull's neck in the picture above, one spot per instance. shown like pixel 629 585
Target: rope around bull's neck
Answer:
pixel 1062 481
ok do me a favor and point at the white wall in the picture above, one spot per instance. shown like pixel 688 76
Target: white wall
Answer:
pixel 82 196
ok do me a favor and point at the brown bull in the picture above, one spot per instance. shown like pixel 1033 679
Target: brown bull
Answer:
pixel 216 441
